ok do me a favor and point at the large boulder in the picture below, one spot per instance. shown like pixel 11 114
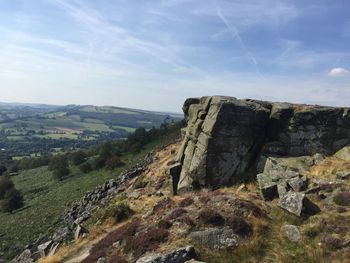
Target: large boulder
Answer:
pixel 216 238
pixel 227 138
pixel 222 139
pixel 292 202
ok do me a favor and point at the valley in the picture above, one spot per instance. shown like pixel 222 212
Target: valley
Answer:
pixel 34 130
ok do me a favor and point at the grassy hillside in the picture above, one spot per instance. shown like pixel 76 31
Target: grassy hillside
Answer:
pixel 46 199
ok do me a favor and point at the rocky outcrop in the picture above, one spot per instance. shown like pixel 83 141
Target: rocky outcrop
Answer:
pixel 227 139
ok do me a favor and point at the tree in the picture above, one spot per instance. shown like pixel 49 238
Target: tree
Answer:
pixel 5 185
pixel 10 197
pixel 59 165
pixel 78 157
pixel 13 200
pixel 113 162
pixel 85 167
pixel 57 161
pixel 61 172
pixel 2 169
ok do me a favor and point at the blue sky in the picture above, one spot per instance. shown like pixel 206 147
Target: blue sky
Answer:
pixel 153 54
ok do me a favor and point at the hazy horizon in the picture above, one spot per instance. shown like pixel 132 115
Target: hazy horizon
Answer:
pixel 153 55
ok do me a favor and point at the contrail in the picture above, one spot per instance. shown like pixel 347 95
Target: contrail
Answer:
pixel 235 35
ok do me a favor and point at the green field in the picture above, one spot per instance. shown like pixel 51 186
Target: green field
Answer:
pixel 59 136
pixel 46 199
pixel 107 109
pixel 128 129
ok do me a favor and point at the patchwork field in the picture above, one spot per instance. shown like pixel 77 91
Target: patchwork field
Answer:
pixel 25 129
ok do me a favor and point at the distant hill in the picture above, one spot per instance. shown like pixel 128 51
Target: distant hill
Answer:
pixel 39 128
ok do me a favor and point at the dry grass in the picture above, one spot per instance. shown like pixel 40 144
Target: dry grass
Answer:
pixel 328 168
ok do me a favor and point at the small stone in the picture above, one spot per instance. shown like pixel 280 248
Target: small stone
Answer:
pixel 242 188
pixel 159 193
pixel 102 260
pixel 134 195
pixel 318 158
pixel 341 175
pixel 292 232
pixel 116 244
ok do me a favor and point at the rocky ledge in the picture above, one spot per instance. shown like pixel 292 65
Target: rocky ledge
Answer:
pixel 228 140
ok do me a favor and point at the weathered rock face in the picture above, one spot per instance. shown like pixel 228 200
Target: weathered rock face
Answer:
pixel 226 138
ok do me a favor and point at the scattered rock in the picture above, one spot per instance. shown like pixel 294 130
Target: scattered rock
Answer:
pixel 297 183
pixel 297 204
pixel 346 242
pixel 53 249
pixel 343 154
pixel 24 257
pixel 62 235
pixel 81 210
pixel 341 175
pixel 283 174
pixel 134 195
pixel 318 158
pixel 291 232
pixel 268 188
pixel 194 261
pixel 44 248
pixel 117 244
pixel 180 255
pixel 102 260
pixel 216 238
pixel 79 232
pixel 242 188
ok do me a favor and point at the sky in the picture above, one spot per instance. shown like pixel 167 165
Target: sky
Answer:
pixel 153 54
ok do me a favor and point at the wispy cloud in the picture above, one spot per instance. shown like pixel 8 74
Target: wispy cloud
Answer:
pixel 338 72
pixel 120 39
pixel 236 36
pixel 289 46
pixel 247 14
